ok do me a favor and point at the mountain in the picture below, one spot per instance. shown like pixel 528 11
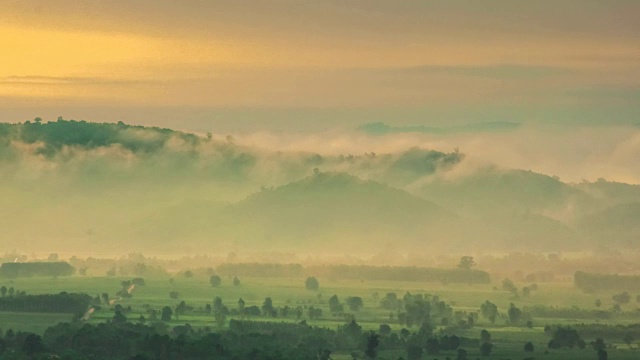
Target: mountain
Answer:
pixel 490 191
pixel 614 226
pixel 74 186
pixel 611 192
pixel 330 209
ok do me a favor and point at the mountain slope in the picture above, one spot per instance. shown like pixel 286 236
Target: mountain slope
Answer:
pixel 614 226
pixel 339 209
pixel 492 190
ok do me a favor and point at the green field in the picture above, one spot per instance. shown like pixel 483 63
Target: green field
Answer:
pixel 197 292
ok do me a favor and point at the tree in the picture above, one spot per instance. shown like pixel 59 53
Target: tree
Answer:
pixel 3 291
pixel 485 337
pixel 32 345
pixel 373 340
pixel 166 314
pixel 528 347
pixel 526 291
pixel 352 329
pixel 11 291
pixel 140 269
pixel 181 308
pixel 241 306
pixel 565 337
pixel 334 304
pixel 509 286
pixel 414 352
pixel 466 262
pixel 432 346
pixel 236 281
pixel 215 280
pixel 324 354
pixel 312 283
pixel 449 342
pixel 355 303
pixel 598 303
pixel 489 310
pixel 220 319
pixel 390 301
pixel 628 338
pixel 119 318
pixel 622 298
pixel 599 344
pixel 602 355
pixel 514 313
pixel 462 354
pixel 174 294
pixel 312 312
pixel 267 306
pixel 385 329
pixel 485 349
pixel 218 306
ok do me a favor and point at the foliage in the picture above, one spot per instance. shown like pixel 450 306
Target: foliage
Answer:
pixel 63 302
pixel 593 282
pixel 489 310
pixel 528 347
pixel 403 273
pixel 355 303
pixel 311 283
pixel 622 298
pixel 215 280
pixel 16 270
pixel 334 304
pixel 466 262
pixel 373 340
pixel 515 314
pixel 566 337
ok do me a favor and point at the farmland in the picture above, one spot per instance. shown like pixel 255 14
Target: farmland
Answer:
pixel 508 338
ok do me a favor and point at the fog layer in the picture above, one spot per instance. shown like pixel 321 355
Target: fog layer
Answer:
pixel 86 187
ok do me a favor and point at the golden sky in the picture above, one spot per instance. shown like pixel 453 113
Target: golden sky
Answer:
pixel 326 54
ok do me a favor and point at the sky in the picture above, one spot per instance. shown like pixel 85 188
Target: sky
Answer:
pixel 443 59
pixel 274 67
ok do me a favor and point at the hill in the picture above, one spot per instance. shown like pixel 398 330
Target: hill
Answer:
pixel 618 225
pixel 75 185
pixel 337 209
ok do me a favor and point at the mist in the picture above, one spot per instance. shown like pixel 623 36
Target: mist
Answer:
pixel 114 188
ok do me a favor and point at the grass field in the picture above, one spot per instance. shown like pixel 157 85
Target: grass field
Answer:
pixel 197 292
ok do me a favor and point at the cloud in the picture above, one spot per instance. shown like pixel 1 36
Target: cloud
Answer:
pixel 69 80
pixel 571 152
pixel 502 71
